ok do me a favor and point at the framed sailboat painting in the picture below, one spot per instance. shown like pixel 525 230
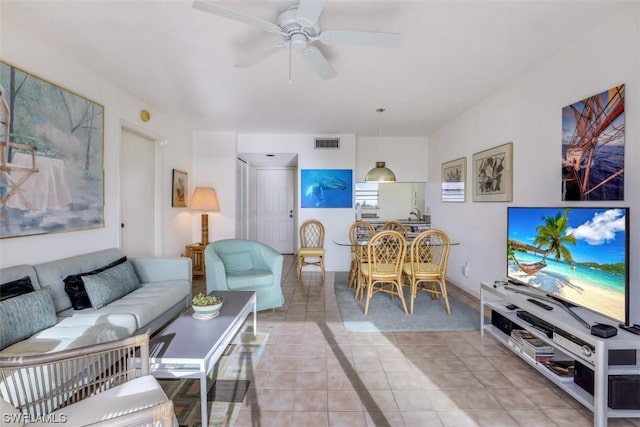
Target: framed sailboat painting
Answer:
pixel 593 147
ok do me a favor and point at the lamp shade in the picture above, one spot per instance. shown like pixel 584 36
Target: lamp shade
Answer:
pixel 204 199
pixel 380 173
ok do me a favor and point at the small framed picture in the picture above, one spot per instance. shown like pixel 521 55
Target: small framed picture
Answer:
pixel 493 175
pixel 454 178
pixel 179 189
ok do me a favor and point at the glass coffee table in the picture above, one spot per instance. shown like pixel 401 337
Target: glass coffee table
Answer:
pixel 190 347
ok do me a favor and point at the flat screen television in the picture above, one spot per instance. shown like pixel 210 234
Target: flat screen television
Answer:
pixel 578 255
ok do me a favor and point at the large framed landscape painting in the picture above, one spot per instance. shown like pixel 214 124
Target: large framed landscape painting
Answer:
pixel 593 147
pixel 326 188
pixel 51 157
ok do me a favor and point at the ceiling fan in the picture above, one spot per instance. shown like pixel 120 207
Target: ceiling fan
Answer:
pixel 298 27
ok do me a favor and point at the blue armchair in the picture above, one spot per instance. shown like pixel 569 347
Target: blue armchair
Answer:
pixel 245 265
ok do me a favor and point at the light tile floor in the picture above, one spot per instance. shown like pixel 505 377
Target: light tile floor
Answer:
pixel 314 373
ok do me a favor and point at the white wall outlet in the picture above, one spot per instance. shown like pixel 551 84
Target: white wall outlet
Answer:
pixel 465 269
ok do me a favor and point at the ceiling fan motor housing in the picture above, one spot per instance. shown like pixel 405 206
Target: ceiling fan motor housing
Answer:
pixel 299 32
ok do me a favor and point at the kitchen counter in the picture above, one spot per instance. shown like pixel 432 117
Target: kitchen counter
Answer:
pixel 414 227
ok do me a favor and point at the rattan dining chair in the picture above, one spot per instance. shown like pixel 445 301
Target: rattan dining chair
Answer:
pixel 359 231
pixel 396 226
pixel 428 254
pixel 311 246
pixel 381 271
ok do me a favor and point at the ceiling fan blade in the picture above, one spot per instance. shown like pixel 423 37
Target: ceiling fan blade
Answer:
pixel 318 62
pixel 309 11
pixel 235 15
pixel 360 38
pixel 259 56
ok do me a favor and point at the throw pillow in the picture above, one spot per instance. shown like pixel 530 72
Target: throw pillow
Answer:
pixel 238 261
pixel 25 315
pixel 110 285
pixel 74 286
pixel 16 288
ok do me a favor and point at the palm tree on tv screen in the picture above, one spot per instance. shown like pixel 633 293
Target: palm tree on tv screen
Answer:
pixel 552 236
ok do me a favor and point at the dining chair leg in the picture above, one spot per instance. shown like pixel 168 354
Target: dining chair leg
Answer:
pixel 413 290
pixel 401 295
pixel 369 295
pixel 443 290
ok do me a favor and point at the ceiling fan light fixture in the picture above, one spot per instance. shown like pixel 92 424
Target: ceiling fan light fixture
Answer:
pixel 380 174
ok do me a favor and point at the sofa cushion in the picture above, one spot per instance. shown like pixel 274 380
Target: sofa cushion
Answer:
pixel 77 331
pixel 24 315
pixel 149 301
pixel 74 286
pixel 111 284
pixel 16 288
pixel 114 404
pixel 235 262
pixel 250 279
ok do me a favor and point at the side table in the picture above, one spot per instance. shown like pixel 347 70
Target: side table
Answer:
pixel 196 253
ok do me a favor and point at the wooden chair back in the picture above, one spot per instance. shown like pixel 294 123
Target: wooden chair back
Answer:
pixel 312 234
pixel 396 226
pixel 429 253
pixel 385 254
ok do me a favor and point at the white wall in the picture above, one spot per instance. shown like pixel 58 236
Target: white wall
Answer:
pixel 407 157
pixel 528 113
pixel 21 50
pixel 214 165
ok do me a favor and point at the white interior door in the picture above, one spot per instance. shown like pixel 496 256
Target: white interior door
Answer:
pixel 274 208
pixel 137 192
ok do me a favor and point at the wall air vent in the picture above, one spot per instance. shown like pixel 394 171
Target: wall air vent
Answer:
pixel 327 143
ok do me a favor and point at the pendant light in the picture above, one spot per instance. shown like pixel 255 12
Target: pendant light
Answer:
pixel 380 173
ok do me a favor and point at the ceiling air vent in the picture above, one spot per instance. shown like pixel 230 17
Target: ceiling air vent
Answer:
pixel 328 143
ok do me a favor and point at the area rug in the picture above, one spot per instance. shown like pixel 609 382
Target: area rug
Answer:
pixel 387 315
pixel 228 383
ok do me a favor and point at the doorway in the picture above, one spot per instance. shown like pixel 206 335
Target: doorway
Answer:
pixel 137 194
pixel 274 198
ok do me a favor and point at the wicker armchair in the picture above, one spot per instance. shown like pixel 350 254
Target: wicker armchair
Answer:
pixel 428 255
pixel 103 384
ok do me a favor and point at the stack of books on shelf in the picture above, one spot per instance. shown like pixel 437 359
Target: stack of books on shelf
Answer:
pixel 530 346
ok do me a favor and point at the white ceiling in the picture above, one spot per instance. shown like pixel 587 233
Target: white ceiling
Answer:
pixel 180 60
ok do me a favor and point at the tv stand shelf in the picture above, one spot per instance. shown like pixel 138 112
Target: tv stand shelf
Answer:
pixel 496 298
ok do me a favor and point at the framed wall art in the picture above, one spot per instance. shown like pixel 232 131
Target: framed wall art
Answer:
pixel 493 174
pixel 593 143
pixel 454 178
pixel 179 189
pixel 51 171
pixel 326 188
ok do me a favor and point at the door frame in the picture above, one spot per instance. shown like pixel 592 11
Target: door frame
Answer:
pixel 158 215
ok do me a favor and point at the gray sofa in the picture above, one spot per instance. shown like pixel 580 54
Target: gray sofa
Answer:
pixel 164 290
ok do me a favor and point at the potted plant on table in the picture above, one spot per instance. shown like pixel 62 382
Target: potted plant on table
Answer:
pixel 206 306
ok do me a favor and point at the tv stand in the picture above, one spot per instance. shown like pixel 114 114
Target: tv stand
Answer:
pixel 552 300
pixel 496 297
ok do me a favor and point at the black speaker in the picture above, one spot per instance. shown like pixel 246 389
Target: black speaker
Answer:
pixel 623 390
pixel 502 323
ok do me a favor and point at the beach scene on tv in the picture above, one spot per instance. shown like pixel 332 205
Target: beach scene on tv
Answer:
pixel 576 254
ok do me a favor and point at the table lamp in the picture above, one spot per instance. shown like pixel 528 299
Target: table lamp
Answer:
pixel 204 199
